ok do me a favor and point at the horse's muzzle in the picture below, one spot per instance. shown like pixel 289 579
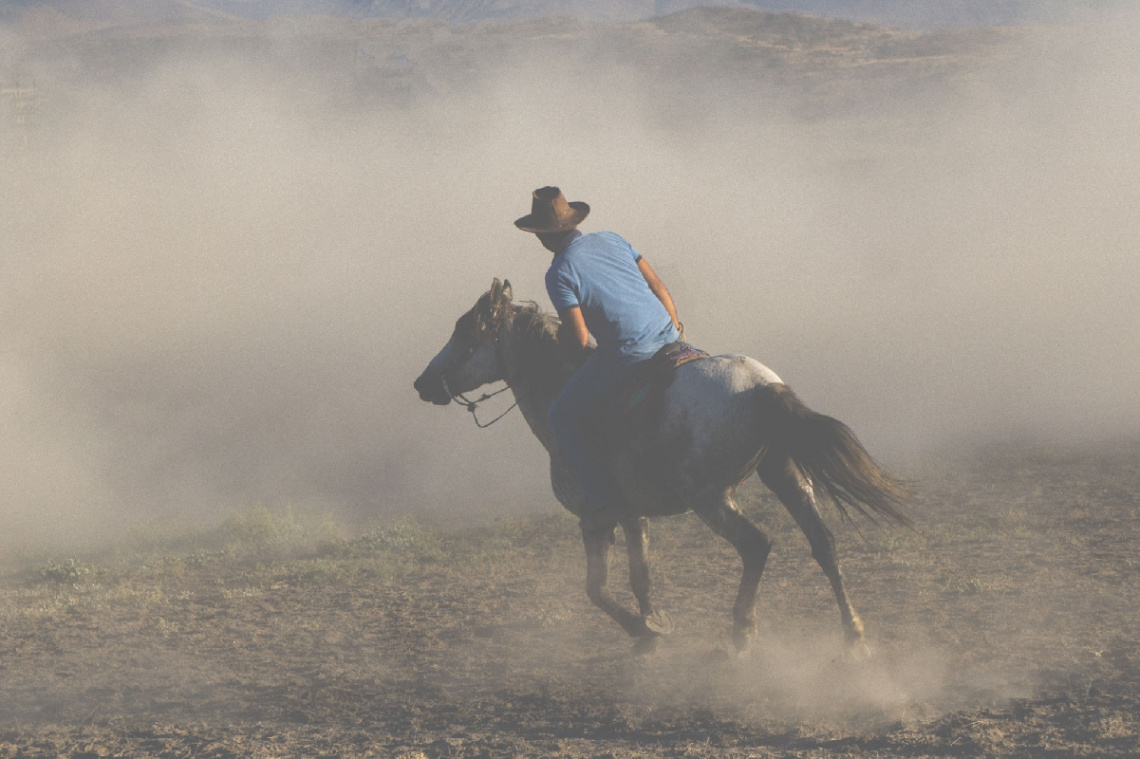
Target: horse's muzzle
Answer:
pixel 431 389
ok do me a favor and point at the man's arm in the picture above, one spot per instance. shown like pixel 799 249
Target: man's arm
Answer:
pixel 573 332
pixel 659 289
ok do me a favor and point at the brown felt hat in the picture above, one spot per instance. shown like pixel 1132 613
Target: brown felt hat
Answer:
pixel 549 212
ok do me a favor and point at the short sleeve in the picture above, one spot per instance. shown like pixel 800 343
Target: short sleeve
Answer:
pixel 632 250
pixel 560 289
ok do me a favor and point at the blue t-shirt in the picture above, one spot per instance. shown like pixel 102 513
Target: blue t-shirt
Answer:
pixel 598 273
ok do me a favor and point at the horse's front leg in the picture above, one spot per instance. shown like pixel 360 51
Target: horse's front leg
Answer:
pixel 598 545
pixel 657 623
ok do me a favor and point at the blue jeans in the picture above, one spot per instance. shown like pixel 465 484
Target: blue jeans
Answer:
pixel 595 382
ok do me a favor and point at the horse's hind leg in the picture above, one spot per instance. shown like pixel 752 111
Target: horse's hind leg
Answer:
pixel 796 493
pixel 719 512
pixel 598 545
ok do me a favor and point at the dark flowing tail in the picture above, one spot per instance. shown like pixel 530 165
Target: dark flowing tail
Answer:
pixel 831 457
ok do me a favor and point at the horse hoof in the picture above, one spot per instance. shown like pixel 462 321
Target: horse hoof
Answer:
pixel 646 645
pixel 858 651
pixel 742 637
pixel 658 622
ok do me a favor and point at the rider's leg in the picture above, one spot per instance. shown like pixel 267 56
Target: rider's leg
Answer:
pixel 570 414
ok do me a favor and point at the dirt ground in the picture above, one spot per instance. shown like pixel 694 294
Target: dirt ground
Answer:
pixel 1005 626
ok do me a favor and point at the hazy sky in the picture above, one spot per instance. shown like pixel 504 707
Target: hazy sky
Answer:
pixel 218 285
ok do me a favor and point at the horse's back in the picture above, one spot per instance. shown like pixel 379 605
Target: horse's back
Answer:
pixel 726 375
pixel 715 393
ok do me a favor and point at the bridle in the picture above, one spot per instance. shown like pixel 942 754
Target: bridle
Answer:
pixel 473 405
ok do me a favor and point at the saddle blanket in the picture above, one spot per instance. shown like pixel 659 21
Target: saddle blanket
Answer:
pixel 639 402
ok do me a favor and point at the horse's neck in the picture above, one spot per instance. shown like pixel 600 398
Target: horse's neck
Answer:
pixel 536 370
pixel 534 409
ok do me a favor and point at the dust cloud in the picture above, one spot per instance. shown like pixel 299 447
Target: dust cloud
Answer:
pixel 800 680
pixel 221 274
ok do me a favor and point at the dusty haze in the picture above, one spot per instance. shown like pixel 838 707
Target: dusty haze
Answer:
pixel 220 279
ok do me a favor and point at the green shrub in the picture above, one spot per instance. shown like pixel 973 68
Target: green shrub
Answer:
pixel 259 531
pixel 69 571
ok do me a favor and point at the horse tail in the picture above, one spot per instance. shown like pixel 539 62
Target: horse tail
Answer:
pixel 827 452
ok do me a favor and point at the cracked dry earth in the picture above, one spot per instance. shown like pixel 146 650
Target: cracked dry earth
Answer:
pixel 1007 625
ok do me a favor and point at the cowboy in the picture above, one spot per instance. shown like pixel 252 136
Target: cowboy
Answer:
pixel 600 286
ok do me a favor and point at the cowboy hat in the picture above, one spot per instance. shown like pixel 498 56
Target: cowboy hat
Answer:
pixel 549 212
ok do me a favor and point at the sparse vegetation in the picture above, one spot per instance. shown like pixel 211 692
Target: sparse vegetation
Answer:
pixel 65 571
pixel 278 628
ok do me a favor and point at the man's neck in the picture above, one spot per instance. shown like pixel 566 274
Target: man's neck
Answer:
pixel 564 243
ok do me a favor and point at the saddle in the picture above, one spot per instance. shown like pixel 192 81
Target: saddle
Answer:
pixel 638 404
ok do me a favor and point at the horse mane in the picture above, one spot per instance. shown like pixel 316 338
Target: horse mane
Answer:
pixel 535 337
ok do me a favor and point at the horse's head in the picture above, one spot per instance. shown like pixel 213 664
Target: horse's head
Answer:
pixel 469 360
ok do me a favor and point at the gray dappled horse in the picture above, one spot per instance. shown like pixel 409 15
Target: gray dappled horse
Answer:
pixel 722 418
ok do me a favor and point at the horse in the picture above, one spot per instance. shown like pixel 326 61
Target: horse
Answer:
pixel 721 419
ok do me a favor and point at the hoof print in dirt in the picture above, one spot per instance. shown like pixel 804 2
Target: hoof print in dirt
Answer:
pixel 716 657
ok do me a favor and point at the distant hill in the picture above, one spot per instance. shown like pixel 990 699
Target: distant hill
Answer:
pixel 935 14
pixel 905 13
pixel 818 65
pixel 88 13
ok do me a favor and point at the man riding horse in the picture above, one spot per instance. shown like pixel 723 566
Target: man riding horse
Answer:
pixel 601 286
pixel 717 421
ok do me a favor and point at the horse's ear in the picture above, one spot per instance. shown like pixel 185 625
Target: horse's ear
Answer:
pixel 496 289
pixel 507 294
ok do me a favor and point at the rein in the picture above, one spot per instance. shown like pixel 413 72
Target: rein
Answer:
pixel 473 405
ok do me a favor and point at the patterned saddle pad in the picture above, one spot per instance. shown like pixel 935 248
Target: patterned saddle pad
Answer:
pixel 639 403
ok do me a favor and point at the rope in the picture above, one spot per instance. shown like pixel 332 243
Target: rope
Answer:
pixel 473 405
